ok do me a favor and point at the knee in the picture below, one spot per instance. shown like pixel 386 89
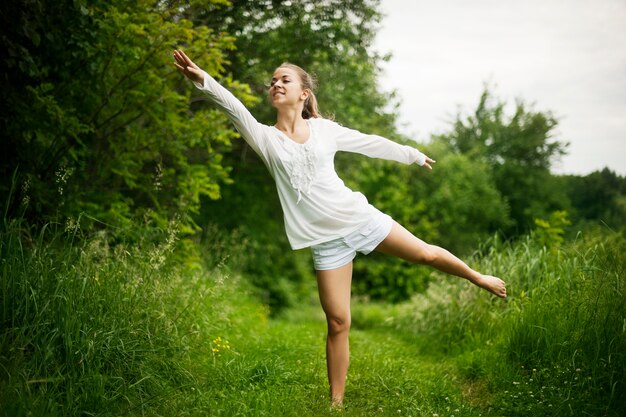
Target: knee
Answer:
pixel 338 324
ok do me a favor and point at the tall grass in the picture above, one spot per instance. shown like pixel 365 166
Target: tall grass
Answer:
pixel 557 346
pixel 99 325
pixel 92 327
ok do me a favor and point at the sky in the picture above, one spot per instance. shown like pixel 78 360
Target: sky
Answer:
pixel 567 57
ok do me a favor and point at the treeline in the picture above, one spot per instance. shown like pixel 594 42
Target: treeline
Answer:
pixel 100 131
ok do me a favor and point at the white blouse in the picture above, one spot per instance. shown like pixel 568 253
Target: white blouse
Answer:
pixel 317 206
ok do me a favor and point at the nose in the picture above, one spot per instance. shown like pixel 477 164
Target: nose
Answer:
pixel 276 88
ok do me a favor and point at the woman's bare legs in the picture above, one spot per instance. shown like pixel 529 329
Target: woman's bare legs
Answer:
pixel 334 290
pixel 401 243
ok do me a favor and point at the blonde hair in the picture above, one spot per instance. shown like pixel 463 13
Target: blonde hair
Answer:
pixel 308 82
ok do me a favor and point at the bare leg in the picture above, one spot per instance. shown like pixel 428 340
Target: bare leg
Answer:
pixel 401 243
pixel 334 290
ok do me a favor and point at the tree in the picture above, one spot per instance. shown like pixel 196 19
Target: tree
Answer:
pixel 462 197
pixel 519 149
pixel 600 195
pixel 97 120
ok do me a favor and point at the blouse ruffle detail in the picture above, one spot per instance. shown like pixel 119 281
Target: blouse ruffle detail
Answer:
pixel 302 166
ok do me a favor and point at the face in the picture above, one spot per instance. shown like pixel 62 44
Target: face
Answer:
pixel 286 88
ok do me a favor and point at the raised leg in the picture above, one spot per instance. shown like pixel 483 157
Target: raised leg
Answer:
pixel 334 291
pixel 403 244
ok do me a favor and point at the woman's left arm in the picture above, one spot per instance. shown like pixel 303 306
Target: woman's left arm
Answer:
pixel 375 146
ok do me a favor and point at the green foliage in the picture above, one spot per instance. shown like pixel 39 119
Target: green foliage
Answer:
pixel 550 232
pixel 104 327
pixel 331 39
pixel 462 198
pixel 519 151
pixel 103 130
pixel 599 196
pixel 557 344
pixel 164 326
pixel 133 320
pixel 100 110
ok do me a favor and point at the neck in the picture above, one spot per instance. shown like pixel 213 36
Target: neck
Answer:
pixel 288 120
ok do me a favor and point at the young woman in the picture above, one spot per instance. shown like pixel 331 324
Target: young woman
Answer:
pixel 319 211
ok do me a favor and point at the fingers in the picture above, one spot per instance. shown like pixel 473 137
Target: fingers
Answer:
pixel 179 62
pixel 185 61
pixel 181 59
pixel 182 63
pixel 428 162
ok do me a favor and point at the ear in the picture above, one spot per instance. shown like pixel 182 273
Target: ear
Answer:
pixel 305 94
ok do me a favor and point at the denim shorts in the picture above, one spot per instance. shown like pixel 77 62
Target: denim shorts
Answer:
pixel 341 251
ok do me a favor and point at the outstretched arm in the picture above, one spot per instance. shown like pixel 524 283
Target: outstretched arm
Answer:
pixel 376 146
pixel 245 123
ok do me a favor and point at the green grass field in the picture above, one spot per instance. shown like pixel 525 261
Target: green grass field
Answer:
pixel 95 327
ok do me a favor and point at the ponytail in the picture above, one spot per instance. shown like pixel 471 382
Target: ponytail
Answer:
pixel 310 109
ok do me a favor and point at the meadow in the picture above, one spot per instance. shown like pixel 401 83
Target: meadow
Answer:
pixel 144 265
pixel 162 326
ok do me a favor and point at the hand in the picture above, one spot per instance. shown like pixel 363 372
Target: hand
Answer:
pixel 187 67
pixel 428 162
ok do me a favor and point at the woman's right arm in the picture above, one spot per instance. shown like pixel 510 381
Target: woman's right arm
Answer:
pixel 244 122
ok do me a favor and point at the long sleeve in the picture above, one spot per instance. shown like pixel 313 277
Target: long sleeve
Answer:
pixel 375 146
pixel 249 128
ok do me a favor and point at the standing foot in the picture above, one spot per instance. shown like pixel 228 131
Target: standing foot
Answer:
pixel 336 405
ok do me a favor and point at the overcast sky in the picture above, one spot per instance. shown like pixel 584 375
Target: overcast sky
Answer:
pixel 563 56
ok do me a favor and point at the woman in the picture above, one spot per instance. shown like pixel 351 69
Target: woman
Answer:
pixel 320 212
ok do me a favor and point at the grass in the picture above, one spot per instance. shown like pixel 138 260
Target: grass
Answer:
pixel 161 327
pixel 283 373
pixel 556 347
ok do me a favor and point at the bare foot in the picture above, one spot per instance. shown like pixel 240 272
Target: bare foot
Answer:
pixel 336 405
pixel 492 284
